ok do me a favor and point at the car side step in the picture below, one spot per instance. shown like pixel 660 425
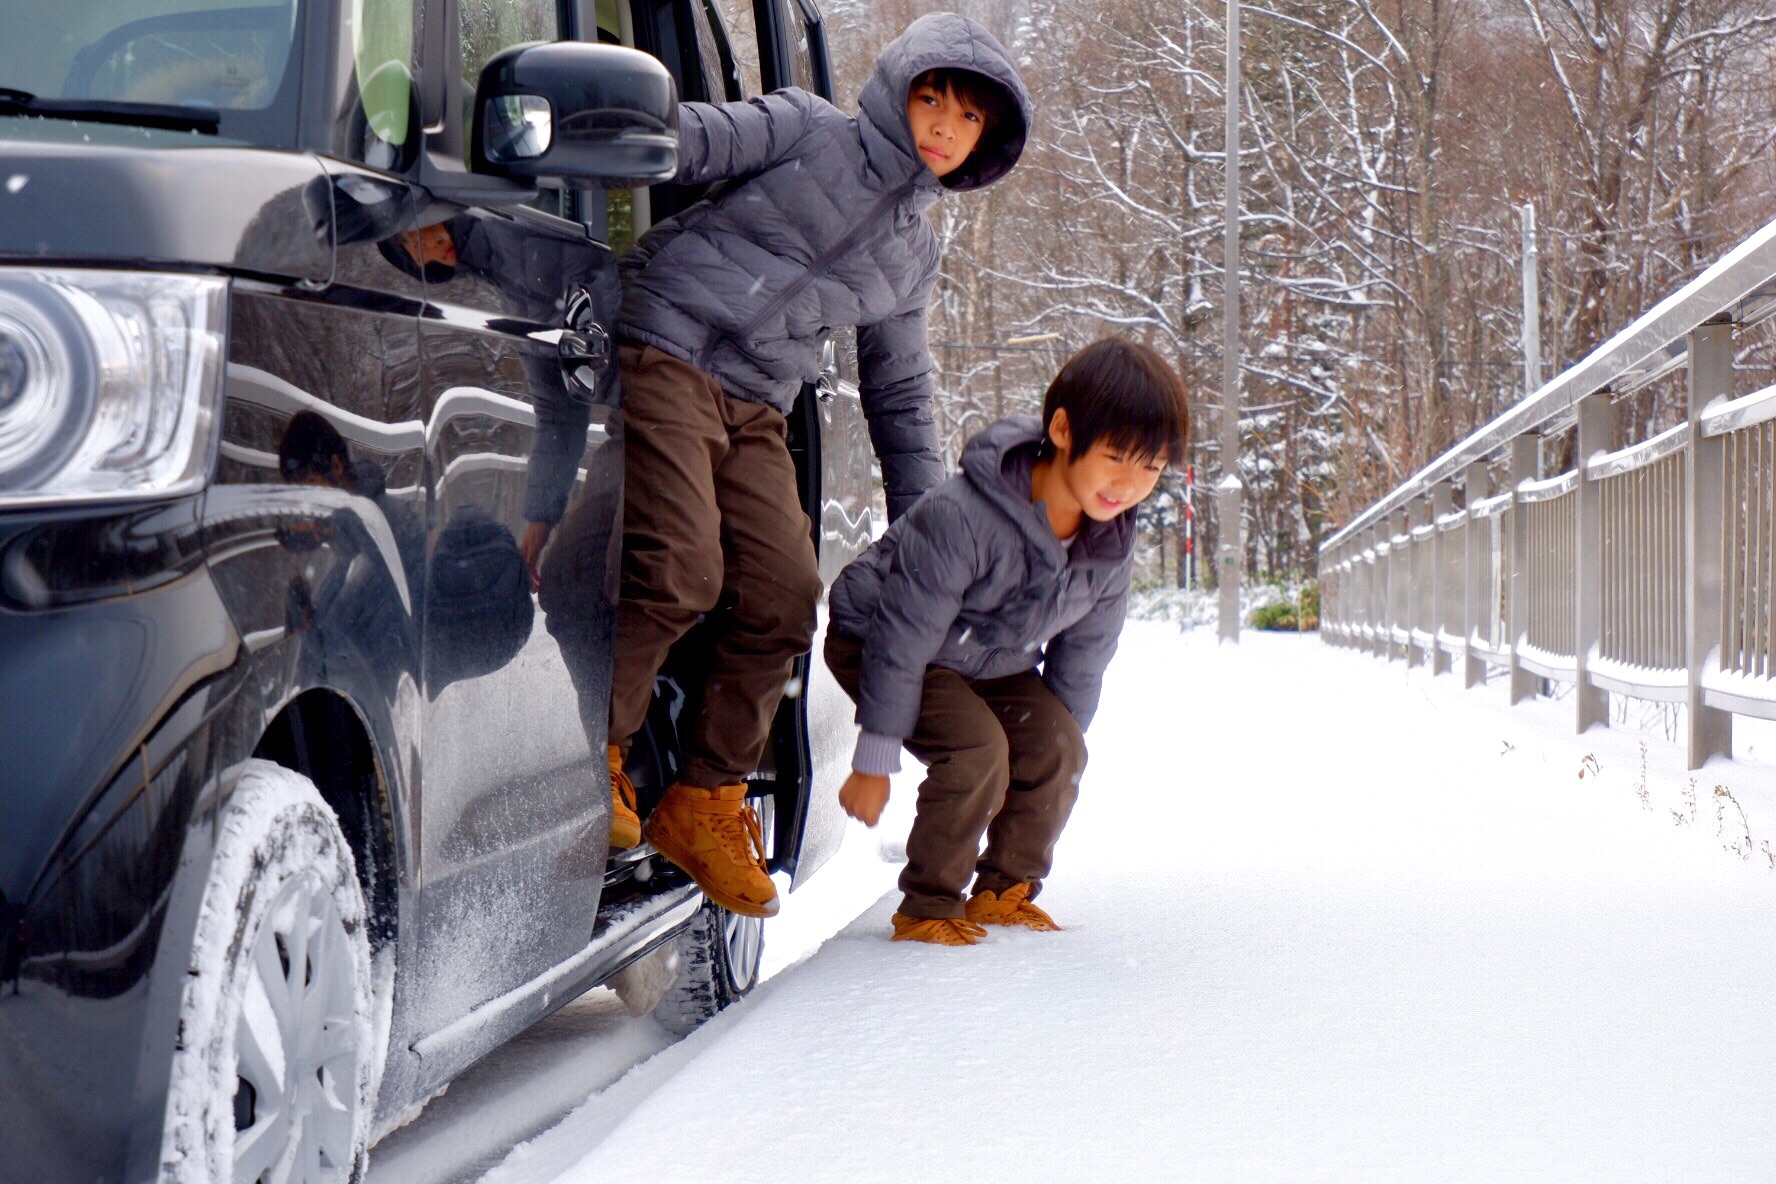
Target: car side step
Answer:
pixel 628 930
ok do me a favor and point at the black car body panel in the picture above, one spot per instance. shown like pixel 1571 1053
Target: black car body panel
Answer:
pixel 115 695
pixel 237 210
pixel 345 595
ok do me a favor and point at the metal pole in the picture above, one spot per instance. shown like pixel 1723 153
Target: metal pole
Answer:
pixel 1711 380
pixel 1590 700
pixel 1526 465
pixel 1479 604
pixel 1532 314
pixel 1231 546
pixel 1190 526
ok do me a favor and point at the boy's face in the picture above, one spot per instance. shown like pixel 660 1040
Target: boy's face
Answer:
pixel 945 129
pixel 1107 479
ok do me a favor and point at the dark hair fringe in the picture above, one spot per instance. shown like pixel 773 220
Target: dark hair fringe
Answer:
pixel 312 447
pixel 1122 393
pixel 996 106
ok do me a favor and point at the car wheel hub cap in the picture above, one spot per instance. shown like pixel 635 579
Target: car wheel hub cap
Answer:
pixel 744 937
pixel 296 1062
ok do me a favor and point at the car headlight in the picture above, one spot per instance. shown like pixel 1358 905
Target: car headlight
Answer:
pixel 110 383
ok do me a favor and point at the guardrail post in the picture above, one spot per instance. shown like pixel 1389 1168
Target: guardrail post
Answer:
pixel 1351 583
pixel 1442 502
pixel 1401 571
pixel 1476 587
pixel 1594 438
pixel 1526 465
pixel 1711 378
pixel 1378 642
pixel 1415 592
pixel 1384 601
pixel 1352 590
pixel 1364 558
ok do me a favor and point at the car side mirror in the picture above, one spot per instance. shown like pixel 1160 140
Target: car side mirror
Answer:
pixel 564 111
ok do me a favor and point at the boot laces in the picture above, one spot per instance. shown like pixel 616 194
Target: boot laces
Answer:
pixel 621 783
pixel 954 931
pixel 1014 907
pixel 736 827
pixel 624 787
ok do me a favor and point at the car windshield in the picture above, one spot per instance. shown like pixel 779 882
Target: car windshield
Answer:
pixel 66 61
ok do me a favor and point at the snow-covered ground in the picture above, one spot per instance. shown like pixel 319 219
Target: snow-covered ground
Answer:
pixel 1327 920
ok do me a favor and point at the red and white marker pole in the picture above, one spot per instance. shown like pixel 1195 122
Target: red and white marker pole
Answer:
pixel 1190 526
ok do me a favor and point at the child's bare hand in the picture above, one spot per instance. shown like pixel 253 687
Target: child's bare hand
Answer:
pixel 536 537
pixel 863 795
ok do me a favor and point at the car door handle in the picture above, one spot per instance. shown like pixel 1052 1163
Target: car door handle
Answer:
pixel 585 347
pixel 827 385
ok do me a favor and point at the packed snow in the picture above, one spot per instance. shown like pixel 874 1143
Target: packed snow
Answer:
pixel 1327 919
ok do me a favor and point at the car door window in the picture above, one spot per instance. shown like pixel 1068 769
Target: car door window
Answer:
pixel 801 66
pixel 623 217
pixel 379 113
pixel 737 18
pixel 691 39
pixel 487 26
pixel 721 78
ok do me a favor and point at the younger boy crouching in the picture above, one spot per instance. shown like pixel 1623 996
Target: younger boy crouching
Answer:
pixel 938 631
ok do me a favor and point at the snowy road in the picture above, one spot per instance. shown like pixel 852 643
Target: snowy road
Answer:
pixel 1326 921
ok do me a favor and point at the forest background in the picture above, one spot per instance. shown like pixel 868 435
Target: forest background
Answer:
pixel 1388 150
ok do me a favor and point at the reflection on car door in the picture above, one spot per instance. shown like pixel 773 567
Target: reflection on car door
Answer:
pixel 514 832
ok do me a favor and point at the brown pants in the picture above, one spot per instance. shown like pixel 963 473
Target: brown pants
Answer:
pixel 710 512
pixel 1002 757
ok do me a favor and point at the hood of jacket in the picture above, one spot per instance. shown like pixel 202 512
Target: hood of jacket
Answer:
pixel 998 461
pixel 938 40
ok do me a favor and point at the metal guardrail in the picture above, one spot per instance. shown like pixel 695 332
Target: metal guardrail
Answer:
pixel 1645 571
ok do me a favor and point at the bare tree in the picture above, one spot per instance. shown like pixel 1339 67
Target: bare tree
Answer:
pixel 1387 147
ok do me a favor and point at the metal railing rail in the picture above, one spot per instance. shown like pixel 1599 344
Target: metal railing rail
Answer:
pixel 1649 570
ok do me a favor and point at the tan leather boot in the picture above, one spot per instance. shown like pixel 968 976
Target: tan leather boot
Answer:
pixel 939 931
pixel 1011 907
pixel 715 837
pixel 625 822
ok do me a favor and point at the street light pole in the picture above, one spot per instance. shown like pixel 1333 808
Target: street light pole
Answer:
pixel 1532 307
pixel 1230 547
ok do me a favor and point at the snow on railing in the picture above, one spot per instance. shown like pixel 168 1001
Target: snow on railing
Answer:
pixel 1647 571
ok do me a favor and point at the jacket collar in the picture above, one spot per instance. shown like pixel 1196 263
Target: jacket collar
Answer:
pixel 998 461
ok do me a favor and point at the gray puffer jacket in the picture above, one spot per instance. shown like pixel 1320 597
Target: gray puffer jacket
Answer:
pixel 829 230
pixel 974 580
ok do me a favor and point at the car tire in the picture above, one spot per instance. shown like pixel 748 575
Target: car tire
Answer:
pixel 719 955
pixel 273 1074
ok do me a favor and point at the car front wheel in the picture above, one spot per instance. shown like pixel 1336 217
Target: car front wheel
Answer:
pixel 272 1080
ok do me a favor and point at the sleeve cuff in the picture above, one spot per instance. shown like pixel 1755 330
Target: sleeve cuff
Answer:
pixel 876 754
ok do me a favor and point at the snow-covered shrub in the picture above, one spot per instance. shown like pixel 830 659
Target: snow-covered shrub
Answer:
pixel 1191 608
pixel 1186 607
pixel 1290 606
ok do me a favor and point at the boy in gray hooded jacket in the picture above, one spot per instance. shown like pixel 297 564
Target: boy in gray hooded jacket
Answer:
pixel 724 310
pixel 937 631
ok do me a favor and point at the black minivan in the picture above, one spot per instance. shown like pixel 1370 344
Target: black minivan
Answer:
pixel 302 800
